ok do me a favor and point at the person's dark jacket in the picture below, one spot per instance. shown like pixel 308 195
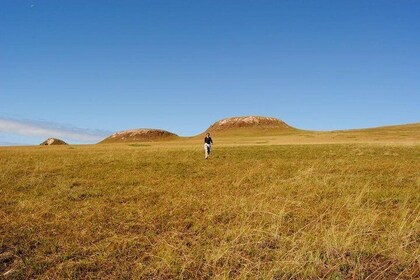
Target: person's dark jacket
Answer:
pixel 208 140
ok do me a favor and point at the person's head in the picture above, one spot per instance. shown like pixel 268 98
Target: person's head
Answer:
pixel 208 134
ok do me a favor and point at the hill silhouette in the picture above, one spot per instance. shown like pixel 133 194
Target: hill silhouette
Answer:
pixel 139 135
pixel 250 125
pixel 260 126
pixel 53 141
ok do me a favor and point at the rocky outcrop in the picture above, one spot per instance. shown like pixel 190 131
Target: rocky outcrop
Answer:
pixel 53 141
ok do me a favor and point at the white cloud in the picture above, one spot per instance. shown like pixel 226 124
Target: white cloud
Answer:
pixel 32 128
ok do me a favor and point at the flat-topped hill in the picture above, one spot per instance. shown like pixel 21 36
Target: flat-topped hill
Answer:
pixel 139 135
pixel 250 125
pixel 53 141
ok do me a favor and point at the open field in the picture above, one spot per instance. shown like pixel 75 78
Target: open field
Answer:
pixel 254 210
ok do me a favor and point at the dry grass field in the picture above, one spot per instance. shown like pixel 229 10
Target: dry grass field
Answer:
pixel 258 209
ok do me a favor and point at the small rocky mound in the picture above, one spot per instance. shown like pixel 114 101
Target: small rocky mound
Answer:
pixel 235 123
pixel 53 141
pixel 139 135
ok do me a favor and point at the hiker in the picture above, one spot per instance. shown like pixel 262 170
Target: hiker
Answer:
pixel 207 145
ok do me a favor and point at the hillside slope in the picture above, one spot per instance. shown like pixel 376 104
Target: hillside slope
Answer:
pixel 268 130
pixel 53 142
pixel 250 126
pixel 139 135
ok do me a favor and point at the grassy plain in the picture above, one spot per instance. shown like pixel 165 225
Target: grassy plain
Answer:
pixel 257 209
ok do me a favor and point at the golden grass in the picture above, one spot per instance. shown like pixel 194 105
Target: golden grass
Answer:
pixel 160 211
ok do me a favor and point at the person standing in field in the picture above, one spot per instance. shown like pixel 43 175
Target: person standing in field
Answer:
pixel 207 145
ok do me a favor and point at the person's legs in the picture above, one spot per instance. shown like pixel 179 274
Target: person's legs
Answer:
pixel 206 151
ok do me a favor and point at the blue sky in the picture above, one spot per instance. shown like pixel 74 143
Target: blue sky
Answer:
pixel 80 69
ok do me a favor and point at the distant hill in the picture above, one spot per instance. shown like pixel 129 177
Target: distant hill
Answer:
pixel 250 125
pixel 53 141
pixel 408 128
pixel 247 127
pixel 406 132
pixel 139 135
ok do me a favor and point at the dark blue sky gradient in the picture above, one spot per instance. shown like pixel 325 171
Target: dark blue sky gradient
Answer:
pixel 181 65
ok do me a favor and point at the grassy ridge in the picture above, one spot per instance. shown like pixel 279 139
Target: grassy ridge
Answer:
pixel 120 211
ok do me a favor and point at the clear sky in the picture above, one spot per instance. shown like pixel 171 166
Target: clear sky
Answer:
pixel 82 69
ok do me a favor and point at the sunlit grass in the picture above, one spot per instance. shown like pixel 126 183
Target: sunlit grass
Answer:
pixel 155 212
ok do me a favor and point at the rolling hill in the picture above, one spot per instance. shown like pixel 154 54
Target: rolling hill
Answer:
pixel 268 130
pixel 53 141
pixel 250 126
pixel 139 135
